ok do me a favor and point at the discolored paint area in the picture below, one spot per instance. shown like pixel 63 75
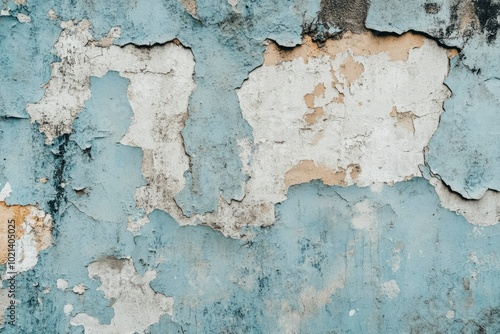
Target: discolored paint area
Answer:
pixel 334 107
pixel 32 231
pixel 337 259
pixel 464 152
pixel 232 166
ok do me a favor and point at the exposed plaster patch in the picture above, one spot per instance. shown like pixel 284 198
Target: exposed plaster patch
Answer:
pixel 390 289
pixel 136 306
pixel 79 289
pixel 307 170
pixel 190 6
pixel 334 124
pixel 233 4
pixel 482 212
pixel 5 192
pixel 315 137
pixel 61 284
pixel 397 47
pixel 23 18
pixel 135 225
pixel 365 215
pixel 52 15
pixel 68 308
pixel 82 57
pixel 351 69
pixel 33 234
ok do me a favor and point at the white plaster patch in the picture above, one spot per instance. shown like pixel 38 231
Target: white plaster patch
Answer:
pixel 233 4
pixel 23 18
pixel 68 308
pixel 37 236
pixel 390 289
pixel 62 284
pixel 51 15
pixel 79 289
pixel 6 190
pixel 135 224
pixel 33 230
pixel 311 111
pixel 482 212
pixel 352 313
pixel 136 306
pixel 450 314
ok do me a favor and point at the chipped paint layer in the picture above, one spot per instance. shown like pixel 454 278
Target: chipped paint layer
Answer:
pixel 402 271
pixel 342 155
pixel 356 141
pixel 33 233
pixel 461 152
pixel 322 124
pixel 82 57
pixel 135 304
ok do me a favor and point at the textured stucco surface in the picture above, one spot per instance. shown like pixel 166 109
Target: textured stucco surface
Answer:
pixel 231 166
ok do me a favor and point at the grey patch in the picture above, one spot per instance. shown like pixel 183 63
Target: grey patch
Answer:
pixel 488 12
pixel 432 8
pixel 114 263
pixel 338 16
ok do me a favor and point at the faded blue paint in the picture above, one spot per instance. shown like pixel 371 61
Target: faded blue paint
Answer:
pixel 102 173
pixel 25 67
pixel 88 226
pixel 464 151
pixel 226 285
pixel 25 160
pixel 314 244
pixel 228 46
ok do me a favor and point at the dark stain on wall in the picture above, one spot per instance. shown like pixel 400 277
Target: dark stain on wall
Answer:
pixel 337 17
pixel 487 12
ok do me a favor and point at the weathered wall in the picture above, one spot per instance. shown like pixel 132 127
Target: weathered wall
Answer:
pixel 232 166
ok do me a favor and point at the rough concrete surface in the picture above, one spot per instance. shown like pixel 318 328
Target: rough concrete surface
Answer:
pixel 238 166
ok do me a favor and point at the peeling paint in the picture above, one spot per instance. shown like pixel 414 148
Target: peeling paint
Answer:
pixel 284 133
pixel 459 152
pixel 135 304
pixel 33 234
pixel 166 179
pixel 342 155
